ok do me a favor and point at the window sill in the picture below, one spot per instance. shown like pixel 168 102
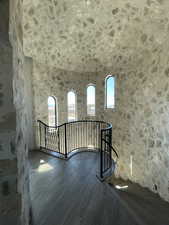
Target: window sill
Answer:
pixel 110 109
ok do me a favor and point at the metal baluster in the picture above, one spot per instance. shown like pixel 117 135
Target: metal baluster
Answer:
pixel 101 157
pixel 65 142
pixel 71 137
pixel 67 138
pixel 107 151
pixel 63 137
pixel 40 138
pixel 110 145
pixel 45 137
pixel 58 139
pixel 77 135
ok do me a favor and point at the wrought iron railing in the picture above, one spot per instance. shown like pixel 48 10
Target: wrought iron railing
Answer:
pixel 72 137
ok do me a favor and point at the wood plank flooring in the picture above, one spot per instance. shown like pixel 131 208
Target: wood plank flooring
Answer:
pixel 68 193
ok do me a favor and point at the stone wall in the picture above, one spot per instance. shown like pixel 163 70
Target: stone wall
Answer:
pixel 50 81
pixel 140 118
pixel 9 199
pixel 22 74
pixel 89 35
pixel 76 42
pixel 140 125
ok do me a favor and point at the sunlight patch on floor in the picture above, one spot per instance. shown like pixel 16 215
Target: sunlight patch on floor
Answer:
pixel 121 187
pixel 44 168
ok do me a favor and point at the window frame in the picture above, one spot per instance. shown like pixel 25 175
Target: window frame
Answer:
pixel 91 84
pixel 72 90
pixel 105 101
pixel 56 111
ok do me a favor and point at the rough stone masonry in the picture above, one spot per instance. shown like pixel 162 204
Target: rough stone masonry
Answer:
pixel 55 46
pixel 74 43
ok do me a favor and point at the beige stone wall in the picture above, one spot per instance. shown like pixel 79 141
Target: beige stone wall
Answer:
pixel 9 198
pixel 128 39
pixel 140 127
pixel 48 81
pixel 89 35
pixel 22 72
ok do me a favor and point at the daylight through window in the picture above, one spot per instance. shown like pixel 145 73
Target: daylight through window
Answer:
pixel 110 92
pixel 91 100
pixel 71 98
pixel 52 114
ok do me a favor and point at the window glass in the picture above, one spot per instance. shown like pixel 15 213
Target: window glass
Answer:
pixel 110 92
pixel 52 118
pixel 71 106
pixel 91 100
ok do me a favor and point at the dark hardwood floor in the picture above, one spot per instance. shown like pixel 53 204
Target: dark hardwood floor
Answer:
pixel 68 193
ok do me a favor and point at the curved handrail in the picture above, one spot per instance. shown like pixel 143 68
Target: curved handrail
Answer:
pixel 111 147
pixel 40 121
pixel 68 139
pixel 78 121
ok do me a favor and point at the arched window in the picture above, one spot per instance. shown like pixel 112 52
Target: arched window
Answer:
pixel 91 100
pixel 52 111
pixel 71 101
pixel 110 92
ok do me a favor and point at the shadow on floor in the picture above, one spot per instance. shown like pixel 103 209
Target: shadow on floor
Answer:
pixel 68 193
pixel 145 206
